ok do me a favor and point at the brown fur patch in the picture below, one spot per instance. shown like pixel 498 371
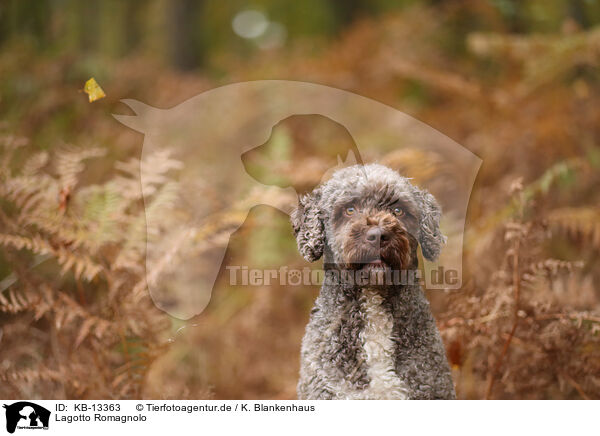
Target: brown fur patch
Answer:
pixel 399 252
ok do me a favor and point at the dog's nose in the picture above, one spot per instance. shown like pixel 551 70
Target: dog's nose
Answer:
pixel 377 236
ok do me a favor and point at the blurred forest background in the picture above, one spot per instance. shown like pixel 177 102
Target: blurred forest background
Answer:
pixel 516 82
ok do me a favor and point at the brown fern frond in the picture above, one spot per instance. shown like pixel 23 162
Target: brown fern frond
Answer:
pixel 582 223
pixel 82 266
pixel 68 162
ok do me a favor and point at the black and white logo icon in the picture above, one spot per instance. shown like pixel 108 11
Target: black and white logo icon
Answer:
pixel 26 415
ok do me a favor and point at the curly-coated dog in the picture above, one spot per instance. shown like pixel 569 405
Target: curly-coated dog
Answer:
pixel 371 334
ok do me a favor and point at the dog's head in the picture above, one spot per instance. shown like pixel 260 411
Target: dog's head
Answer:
pixel 368 217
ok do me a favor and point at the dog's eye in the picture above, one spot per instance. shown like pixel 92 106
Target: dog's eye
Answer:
pixel 350 211
pixel 398 211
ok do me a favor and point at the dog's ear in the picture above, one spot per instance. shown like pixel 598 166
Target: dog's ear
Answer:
pixel 430 235
pixel 307 220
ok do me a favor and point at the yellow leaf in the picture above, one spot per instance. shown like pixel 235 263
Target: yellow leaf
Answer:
pixel 93 90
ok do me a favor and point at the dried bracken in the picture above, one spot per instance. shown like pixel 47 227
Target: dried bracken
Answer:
pixel 69 292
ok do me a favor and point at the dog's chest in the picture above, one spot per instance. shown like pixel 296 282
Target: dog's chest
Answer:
pixel 378 347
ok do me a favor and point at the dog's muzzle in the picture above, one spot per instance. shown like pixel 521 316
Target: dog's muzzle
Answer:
pixel 377 243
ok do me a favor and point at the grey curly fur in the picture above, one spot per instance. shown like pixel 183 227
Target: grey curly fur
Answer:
pixel 336 361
